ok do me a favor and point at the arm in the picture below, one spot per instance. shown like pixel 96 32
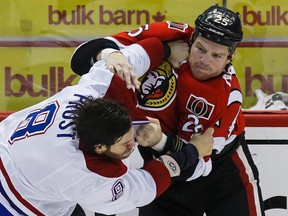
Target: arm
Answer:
pixel 147 53
pixel 168 32
pixel 85 55
pixel 137 187
pixel 150 135
pixel 232 123
pixel 176 52
pixel 164 31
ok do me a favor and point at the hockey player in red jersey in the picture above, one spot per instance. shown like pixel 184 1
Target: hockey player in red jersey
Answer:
pixel 208 94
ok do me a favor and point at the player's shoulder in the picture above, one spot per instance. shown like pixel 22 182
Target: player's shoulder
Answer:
pixel 175 26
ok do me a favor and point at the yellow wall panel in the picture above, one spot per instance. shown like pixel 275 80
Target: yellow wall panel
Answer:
pixel 38 38
pixel 31 75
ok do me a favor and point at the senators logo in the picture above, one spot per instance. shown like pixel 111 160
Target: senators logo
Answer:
pixel 158 88
pixel 200 107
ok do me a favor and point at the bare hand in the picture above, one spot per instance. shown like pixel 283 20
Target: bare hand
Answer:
pixel 203 142
pixel 179 53
pixel 150 134
pixel 117 63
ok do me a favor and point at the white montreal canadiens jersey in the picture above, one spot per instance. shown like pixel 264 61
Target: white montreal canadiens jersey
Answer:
pixel 44 173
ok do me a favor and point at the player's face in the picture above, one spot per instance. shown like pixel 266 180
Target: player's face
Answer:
pixel 207 59
pixel 123 147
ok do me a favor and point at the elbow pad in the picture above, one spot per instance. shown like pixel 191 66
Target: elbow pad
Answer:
pixel 182 163
pixel 85 55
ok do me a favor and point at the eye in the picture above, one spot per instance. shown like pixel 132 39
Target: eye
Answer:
pixel 200 49
pixel 125 144
pixel 217 56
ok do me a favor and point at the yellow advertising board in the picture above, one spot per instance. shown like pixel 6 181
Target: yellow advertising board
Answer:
pixel 31 75
pixel 39 37
pixel 261 68
pixel 262 19
pixel 83 18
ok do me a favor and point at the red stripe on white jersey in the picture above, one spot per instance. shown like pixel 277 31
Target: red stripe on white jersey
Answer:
pixel 14 195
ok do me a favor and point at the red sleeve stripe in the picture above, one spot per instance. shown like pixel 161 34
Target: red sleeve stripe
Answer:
pixel 4 177
pixel 160 175
pixel 155 50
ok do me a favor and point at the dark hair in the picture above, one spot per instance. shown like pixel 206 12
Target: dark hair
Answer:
pixel 100 121
pixel 221 26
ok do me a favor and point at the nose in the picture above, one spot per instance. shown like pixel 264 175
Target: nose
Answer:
pixel 131 144
pixel 204 58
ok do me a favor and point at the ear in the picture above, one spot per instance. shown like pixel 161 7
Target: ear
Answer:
pixel 232 56
pixel 100 148
pixel 191 41
pixel 228 61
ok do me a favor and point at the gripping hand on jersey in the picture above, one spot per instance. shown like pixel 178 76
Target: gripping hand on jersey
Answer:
pixel 203 142
pixel 179 53
pixel 187 159
pixel 180 159
pixel 118 63
pixel 150 135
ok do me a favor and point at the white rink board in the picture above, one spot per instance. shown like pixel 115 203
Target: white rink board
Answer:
pixel 271 159
pixel 272 162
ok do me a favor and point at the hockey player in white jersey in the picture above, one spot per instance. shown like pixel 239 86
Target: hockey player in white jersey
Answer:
pixel 74 146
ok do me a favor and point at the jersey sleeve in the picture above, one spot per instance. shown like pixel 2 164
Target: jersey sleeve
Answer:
pixel 161 176
pixel 232 123
pixel 164 31
pixel 114 195
pixel 145 55
pixel 84 55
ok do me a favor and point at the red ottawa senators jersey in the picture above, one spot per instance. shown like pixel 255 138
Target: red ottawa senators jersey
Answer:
pixel 213 103
pixel 157 93
pixel 216 102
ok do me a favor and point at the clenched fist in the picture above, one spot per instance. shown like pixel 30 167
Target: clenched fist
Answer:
pixel 203 142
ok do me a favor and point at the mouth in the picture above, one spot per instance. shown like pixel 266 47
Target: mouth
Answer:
pixel 201 67
pixel 200 72
pixel 132 150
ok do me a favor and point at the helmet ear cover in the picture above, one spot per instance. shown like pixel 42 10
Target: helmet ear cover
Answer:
pixel 219 25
